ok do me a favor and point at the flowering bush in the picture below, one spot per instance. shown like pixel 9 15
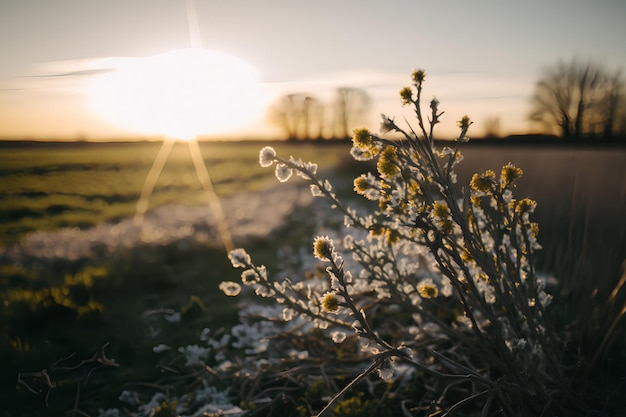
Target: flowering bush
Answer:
pixel 439 281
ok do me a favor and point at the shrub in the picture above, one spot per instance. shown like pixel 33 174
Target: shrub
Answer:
pixel 440 283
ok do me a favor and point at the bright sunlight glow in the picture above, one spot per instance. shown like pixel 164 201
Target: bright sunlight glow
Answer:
pixel 182 94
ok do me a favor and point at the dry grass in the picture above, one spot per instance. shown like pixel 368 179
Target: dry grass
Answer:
pixel 581 196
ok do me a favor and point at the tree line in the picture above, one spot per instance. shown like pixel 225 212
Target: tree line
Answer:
pixel 302 116
pixel 574 100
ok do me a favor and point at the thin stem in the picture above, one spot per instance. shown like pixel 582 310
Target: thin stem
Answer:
pixel 377 362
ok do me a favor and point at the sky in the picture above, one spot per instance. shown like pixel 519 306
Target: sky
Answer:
pixel 482 58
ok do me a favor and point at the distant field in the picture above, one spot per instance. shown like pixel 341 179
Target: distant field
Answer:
pixel 48 186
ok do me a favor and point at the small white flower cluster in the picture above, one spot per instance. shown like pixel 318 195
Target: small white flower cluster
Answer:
pixel 267 156
pixel 285 168
pixel 230 288
pixel 207 400
pixel 290 294
pixel 194 354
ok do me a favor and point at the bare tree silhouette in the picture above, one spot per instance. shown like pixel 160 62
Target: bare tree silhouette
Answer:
pixel 350 106
pixel 492 127
pixel 302 116
pixel 299 115
pixel 578 100
pixel 614 122
pixel 312 118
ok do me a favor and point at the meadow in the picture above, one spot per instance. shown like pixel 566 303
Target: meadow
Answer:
pixel 59 305
pixel 54 307
pixel 46 186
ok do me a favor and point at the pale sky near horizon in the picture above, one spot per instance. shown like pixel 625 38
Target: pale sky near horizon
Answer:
pixel 482 57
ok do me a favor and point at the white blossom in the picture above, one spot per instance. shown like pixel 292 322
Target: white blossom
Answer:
pixel 316 191
pixel 239 258
pixel 230 288
pixel 385 371
pixel 160 348
pixel 266 156
pixel 194 354
pixel 338 337
pixel 283 172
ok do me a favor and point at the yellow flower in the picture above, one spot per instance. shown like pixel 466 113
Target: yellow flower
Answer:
pixel 362 138
pixel 441 215
pixel 464 123
pixel 406 95
pixel 418 76
pixel 414 187
pixel 509 174
pixel 324 248
pixel 427 289
pixel 525 205
pixel 330 303
pixel 361 185
pixel 441 211
pixel 483 182
pixel 388 163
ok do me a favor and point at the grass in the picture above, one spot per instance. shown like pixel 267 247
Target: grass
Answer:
pixel 55 308
pixel 42 330
pixel 47 186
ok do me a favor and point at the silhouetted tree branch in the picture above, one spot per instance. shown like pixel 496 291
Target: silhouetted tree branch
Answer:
pixel 351 105
pixel 579 100
pixel 302 116
pixel 298 114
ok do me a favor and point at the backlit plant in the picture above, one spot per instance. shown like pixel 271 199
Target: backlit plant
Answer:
pixel 438 281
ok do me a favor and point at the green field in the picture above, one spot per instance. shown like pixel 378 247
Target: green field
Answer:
pixel 48 186
pixel 54 307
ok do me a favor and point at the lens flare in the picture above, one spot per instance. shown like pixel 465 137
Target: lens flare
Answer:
pixel 182 94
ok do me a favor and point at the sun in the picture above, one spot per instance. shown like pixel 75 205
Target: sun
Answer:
pixel 181 94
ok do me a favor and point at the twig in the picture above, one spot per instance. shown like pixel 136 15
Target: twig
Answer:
pixel 377 362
